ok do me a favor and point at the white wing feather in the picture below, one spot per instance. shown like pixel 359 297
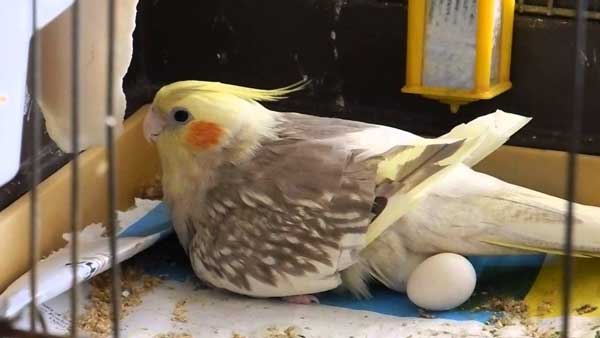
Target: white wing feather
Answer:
pixel 482 136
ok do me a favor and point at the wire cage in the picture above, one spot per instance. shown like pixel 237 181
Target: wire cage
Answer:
pixel 581 12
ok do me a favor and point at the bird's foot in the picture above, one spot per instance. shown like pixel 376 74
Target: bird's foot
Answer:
pixel 302 299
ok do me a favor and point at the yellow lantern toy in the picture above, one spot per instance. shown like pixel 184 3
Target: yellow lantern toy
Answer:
pixel 458 51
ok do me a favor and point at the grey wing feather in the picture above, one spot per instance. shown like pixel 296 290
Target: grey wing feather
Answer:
pixel 307 127
pixel 298 208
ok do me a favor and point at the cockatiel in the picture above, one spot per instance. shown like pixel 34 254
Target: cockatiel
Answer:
pixel 271 204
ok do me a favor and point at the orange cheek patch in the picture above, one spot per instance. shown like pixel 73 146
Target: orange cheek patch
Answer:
pixel 203 134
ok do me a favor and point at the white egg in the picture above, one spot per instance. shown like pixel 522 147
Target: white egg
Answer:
pixel 441 282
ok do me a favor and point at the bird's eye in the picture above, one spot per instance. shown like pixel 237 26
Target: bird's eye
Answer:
pixel 181 115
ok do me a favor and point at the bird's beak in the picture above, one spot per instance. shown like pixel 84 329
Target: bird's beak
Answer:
pixel 153 125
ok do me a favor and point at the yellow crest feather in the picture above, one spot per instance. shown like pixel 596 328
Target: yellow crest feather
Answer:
pixel 176 90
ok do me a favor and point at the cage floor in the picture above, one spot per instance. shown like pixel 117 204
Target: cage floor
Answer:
pixel 180 306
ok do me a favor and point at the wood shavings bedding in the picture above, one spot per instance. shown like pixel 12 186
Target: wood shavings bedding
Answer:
pixel 290 332
pixel 513 312
pixel 97 317
pixel 180 312
pixel 173 335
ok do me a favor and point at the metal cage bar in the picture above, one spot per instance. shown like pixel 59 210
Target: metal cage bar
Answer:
pixel 550 6
pixel 35 174
pixel 75 212
pixel 111 180
pixel 578 86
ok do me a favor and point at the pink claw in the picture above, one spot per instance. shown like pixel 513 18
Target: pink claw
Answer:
pixel 302 299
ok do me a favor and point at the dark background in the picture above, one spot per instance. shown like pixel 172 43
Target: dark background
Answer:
pixel 358 75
